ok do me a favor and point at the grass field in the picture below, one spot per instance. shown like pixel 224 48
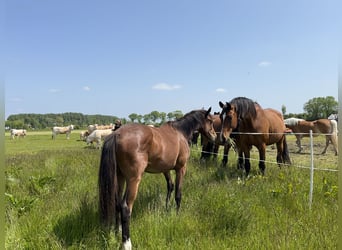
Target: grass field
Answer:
pixel 51 201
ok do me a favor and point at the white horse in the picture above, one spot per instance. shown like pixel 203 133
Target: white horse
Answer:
pixel 97 136
pixel 62 130
pixel 18 133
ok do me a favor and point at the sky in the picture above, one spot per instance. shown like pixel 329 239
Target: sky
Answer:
pixel 122 57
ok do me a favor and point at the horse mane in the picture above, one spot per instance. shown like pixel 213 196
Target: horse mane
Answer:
pixel 190 122
pixel 292 121
pixel 245 107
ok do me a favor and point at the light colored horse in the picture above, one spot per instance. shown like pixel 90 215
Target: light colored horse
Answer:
pixel 301 128
pixel 18 133
pixel 97 136
pixel 94 127
pixel 62 130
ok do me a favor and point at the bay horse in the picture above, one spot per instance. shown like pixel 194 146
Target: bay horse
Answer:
pixel 211 148
pixel 301 128
pixel 136 148
pixel 251 125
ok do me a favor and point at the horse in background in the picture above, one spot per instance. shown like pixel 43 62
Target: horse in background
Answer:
pixel 253 126
pixel 301 128
pixel 211 148
pixel 18 133
pixel 136 148
pixel 62 130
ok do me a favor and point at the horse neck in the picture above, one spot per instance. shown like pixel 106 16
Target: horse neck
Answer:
pixel 187 128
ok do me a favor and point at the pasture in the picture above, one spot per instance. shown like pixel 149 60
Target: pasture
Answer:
pixel 52 201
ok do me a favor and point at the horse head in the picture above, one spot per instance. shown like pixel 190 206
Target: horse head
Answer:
pixel 229 120
pixel 207 128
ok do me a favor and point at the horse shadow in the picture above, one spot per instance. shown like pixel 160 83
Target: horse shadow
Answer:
pixel 80 223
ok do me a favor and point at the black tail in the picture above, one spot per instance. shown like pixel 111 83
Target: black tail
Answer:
pixel 286 154
pixel 108 184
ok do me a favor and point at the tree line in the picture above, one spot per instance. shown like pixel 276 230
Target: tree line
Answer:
pixel 79 120
pixel 315 108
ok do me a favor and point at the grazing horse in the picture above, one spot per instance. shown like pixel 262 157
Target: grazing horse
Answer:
pixel 18 133
pixel 253 126
pixel 302 128
pixel 136 148
pixel 209 148
pixel 98 136
pixel 62 130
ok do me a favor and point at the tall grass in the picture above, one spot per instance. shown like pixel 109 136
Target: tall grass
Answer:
pixel 52 202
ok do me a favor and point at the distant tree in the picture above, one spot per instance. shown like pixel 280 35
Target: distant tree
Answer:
pixel 134 117
pixel 320 107
pixel 162 116
pixel 283 109
pixel 147 118
pixel 154 116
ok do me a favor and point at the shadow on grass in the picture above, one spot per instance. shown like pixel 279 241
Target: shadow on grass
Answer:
pixel 79 224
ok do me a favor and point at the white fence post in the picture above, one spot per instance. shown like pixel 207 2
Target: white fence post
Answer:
pixel 311 170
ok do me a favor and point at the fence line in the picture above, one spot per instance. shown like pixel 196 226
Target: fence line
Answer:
pixel 286 133
pixel 272 162
pixel 312 168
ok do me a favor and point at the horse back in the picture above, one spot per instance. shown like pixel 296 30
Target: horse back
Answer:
pixel 154 149
pixel 323 126
pixel 276 126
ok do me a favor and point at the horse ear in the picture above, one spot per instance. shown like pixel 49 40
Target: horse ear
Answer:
pixel 229 107
pixel 221 104
pixel 208 112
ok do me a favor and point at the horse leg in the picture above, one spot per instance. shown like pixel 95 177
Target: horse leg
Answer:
pixel 225 155
pixel 126 211
pixel 215 150
pixel 280 150
pixel 327 140
pixel 334 143
pixel 247 162
pixel 169 186
pixel 262 157
pixel 240 160
pixel 179 180
pixel 298 142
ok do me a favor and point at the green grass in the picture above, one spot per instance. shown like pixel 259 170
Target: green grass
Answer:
pixel 52 199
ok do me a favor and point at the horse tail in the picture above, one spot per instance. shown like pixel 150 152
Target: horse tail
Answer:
pixel 334 132
pixel 108 183
pixel 286 154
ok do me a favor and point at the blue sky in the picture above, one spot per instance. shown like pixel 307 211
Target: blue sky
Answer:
pixel 123 57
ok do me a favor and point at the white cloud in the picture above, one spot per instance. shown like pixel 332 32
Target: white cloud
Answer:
pixel 86 88
pixel 54 90
pixel 264 64
pixel 165 86
pixel 220 90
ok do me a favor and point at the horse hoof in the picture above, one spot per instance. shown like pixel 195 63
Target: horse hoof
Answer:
pixel 127 245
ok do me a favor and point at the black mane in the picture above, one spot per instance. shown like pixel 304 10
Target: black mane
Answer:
pixel 190 122
pixel 245 108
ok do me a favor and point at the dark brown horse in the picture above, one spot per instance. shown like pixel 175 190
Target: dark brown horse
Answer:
pixel 302 128
pixel 253 126
pixel 211 148
pixel 134 149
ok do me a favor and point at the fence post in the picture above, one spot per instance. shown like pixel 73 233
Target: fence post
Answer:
pixel 311 170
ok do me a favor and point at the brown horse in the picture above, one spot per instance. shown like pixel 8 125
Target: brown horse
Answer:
pixel 251 125
pixel 211 148
pixel 302 128
pixel 134 149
